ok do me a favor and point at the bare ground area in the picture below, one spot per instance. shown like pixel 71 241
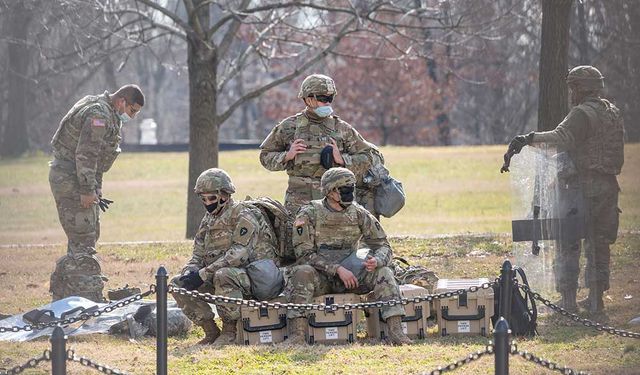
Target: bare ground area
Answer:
pixel 24 277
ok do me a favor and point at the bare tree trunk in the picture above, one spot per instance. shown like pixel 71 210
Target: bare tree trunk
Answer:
pixel 554 51
pixel 583 37
pixel 203 124
pixel 15 140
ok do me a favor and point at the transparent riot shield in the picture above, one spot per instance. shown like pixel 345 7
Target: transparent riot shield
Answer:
pixel 548 217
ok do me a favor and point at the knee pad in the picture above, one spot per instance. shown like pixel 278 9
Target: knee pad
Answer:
pixel 78 276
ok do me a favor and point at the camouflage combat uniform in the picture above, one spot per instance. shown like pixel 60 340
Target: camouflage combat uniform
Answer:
pixel 224 245
pixel 85 146
pixel 593 134
pixel 323 238
pixel 306 169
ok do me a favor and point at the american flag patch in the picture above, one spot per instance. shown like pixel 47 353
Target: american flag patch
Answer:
pixel 98 122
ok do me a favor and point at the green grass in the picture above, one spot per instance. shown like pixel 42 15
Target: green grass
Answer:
pixel 455 190
pixel 449 190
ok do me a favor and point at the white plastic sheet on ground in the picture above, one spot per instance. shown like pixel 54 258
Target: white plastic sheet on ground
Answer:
pixel 100 324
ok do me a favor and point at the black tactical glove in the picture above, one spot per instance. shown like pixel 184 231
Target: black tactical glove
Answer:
pixel 104 203
pixel 519 141
pixel 191 281
pixel 326 157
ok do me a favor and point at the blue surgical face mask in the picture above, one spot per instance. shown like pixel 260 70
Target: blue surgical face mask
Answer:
pixel 323 111
pixel 124 117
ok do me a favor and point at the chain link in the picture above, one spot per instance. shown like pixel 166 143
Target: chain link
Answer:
pixel 209 298
pixel 474 356
pixel 32 363
pixel 543 362
pixel 83 316
pixel 586 322
pixel 71 356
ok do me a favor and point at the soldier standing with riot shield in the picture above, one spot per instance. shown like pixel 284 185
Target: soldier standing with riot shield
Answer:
pixel 593 135
pixel 306 144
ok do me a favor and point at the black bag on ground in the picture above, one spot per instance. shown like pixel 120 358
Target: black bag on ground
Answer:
pixel 524 313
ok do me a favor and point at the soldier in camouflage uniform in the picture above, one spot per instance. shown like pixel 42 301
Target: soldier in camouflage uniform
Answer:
pixel 297 143
pixel 593 135
pixel 85 146
pixel 327 232
pixel 231 236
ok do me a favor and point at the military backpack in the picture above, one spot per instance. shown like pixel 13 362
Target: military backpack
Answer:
pixel 281 222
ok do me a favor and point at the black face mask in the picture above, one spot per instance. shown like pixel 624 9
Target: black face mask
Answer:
pixel 213 206
pixel 346 195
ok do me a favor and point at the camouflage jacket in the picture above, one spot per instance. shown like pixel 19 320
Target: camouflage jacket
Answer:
pixel 316 133
pixel 88 138
pixel 323 237
pixel 239 235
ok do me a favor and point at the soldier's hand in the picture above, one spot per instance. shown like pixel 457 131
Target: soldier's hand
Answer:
pixel 297 147
pixel 337 157
pixel 371 263
pixel 347 277
pixel 89 199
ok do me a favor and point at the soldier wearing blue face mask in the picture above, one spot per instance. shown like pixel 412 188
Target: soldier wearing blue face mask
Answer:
pixel 311 142
pixel 85 146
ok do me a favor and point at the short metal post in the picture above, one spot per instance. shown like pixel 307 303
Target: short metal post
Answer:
pixel 58 352
pixel 502 348
pixel 161 324
pixel 506 290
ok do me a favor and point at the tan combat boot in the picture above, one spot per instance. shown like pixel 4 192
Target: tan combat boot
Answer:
pixel 229 330
pixel 211 332
pixel 396 335
pixel 297 335
pixel 593 303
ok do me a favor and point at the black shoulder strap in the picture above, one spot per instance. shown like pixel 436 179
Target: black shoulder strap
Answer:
pixel 534 308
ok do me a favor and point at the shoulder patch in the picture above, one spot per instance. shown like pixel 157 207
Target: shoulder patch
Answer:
pixel 299 230
pixel 243 231
pixel 378 226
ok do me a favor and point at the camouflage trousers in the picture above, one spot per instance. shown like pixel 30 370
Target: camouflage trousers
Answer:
pixel 301 190
pixel 305 283
pixel 602 220
pixel 603 217
pixel 78 273
pixel 228 282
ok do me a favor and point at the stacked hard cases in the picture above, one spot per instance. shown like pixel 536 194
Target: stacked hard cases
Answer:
pixel 414 323
pixel 333 326
pixel 467 313
pixel 262 325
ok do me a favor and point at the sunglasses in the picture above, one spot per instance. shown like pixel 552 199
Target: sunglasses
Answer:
pixel 209 198
pixel 323 98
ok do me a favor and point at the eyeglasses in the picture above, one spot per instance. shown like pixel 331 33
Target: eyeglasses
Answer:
pixel 323 98
pixel 134 111
pixel 209 197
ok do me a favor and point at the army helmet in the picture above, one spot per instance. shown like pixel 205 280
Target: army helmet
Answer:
pixel 214 180
pixel 585 78
pixel 336 177
pixel 317 84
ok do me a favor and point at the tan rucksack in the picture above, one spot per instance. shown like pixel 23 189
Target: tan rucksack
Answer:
pixel 282 223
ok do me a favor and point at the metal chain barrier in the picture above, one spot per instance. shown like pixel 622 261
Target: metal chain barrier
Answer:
pixel 474 356
pixel 32 363
pixel 71 356
pixel 543 362
pixel 575 317
pixel 209 298
pixel 83 316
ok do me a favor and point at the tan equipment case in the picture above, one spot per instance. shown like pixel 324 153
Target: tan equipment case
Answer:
pixel 333 327
pixel 261 325
pixel 414 323
pixel 467 313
